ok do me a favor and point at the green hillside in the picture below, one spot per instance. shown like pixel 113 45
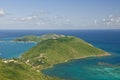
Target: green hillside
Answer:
pixel 20 71
pixel 53 51
pixel 38 38
pixel 50 49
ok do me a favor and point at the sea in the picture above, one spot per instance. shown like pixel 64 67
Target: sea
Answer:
pixel 102 68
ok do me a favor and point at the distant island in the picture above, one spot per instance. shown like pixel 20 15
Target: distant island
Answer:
pixel 50 49
pixel 33 38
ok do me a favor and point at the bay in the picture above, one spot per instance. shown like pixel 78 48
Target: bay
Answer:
pixel 81 69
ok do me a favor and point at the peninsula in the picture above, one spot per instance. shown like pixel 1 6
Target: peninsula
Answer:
pixel 50 49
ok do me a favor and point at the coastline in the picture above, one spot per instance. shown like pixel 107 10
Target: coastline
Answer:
pixel 95 56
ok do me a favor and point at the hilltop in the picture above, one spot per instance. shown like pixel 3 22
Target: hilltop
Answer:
pixel 56 50
pixel 50 49
pixel 33 38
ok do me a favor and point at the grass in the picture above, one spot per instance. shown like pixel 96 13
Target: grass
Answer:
pixel 50 49
pixel 60 50
pixel 20 71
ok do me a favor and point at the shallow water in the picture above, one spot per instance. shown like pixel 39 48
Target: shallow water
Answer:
pixel 81 69
pixel 14 49
pixel 86 69
pixel 89 68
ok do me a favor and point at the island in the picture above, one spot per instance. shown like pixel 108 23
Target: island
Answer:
pixel 33 38
pixel 50 49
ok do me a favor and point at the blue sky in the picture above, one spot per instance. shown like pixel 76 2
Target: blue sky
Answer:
pixel 59 14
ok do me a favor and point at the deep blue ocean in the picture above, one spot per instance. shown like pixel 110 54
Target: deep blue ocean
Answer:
pixel 81 69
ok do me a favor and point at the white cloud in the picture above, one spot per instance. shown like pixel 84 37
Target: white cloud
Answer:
pixel 95 22
pixel 44 19
pixel 111 20
pixel 2 12
pixel 38 20
pixel 26 18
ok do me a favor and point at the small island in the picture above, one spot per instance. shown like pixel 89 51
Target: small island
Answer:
pixel 50 49
pixel 33 38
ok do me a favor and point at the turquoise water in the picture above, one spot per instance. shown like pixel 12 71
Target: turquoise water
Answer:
pixel 14 49
pixel 104 68
pixel 85 69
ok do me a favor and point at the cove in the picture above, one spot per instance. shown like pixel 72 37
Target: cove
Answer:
pixel 81 69
pixel 87 69
pixel 10 49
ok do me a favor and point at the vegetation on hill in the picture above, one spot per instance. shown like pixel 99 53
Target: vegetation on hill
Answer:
pixel 38 38
pixel 12 70
pixel 50 49
pixel 53 51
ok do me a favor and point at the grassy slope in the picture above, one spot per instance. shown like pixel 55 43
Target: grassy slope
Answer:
pixel 38 38
pixel 28 38
pixel 20 71
pixel 52 49
pixel 59 50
